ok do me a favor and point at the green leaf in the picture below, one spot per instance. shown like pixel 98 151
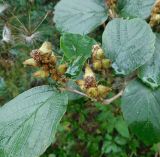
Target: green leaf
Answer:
pixel 136 8
pixel 150 72
pixel 28 122
pixel 75 68
pixel 80 17
pixel 122 128
pixel 77 49
pixel 120 140
pixel 129 44
pixel 74 45
pixel 141 110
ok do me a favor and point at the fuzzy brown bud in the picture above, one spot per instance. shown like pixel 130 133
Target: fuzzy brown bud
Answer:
pixel 89 77
pixel 35 54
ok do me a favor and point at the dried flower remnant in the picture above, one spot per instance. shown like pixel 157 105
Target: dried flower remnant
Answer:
pixel 90 86
pixel 89 77
pixel 47 61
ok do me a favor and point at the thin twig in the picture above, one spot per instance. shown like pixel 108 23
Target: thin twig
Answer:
pixel 111 9
pixel 112 15
pixel 74 91
pixel 105 102
pixel 109 101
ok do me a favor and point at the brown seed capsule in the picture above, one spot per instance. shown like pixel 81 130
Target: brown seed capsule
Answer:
pixel 81 84
pixel 89 77
pixel 92 92
pixel 35 54
pixel 30 62
pixel 90 82
pixel 97 65
pixel 41 74
pixel 106 63
pixel 62 69
pixel 46 48
pixel 103 91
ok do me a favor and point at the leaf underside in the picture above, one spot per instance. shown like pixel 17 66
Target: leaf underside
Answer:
pixel 141 108
pixel 150 72
pixel 129 44
pixel 73 16
pixel 28 122
pixel 136 8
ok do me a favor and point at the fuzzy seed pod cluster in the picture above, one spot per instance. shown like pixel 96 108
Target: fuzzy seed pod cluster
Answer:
pixel 155 15
pixel 47 61
pixel 100 62
pixel 90 87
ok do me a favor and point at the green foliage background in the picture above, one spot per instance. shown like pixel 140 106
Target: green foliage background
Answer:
pixel 86 130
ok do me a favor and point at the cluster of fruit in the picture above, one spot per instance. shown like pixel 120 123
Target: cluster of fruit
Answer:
pixel 99 61
pixel 90 86
pixel 47 61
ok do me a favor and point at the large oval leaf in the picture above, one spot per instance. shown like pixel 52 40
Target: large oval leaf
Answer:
pixel 141 110
pixel 136 8
pixel 28 123
pixel 150 72
pixel 80 17
pixel 129 44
